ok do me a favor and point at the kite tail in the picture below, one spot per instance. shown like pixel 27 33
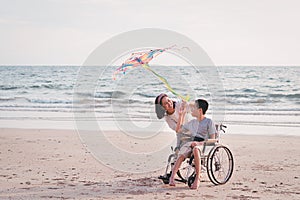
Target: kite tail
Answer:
pixel 167 85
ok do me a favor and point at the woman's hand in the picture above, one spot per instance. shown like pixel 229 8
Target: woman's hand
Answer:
pixel 183 107
pixel 181 112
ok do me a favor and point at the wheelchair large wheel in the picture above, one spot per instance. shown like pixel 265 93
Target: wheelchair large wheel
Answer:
pixel 219 164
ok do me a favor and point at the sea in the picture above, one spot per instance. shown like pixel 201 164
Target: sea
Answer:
pixel 243 96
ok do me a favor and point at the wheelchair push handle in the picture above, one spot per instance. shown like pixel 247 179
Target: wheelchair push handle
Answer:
pixel 221 127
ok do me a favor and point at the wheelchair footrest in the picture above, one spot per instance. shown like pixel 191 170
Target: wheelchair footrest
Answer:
pixel 165 178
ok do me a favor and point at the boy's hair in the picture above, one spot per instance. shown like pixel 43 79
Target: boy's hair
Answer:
pixel 201 103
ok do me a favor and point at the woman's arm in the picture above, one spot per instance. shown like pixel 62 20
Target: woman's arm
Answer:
pixel 182 113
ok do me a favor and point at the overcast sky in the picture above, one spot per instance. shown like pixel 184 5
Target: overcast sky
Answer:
pixel 59 32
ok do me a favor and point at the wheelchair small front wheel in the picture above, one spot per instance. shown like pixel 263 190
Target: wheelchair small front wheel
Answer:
pixel 220 164
pixel 168 171
pixel 171 161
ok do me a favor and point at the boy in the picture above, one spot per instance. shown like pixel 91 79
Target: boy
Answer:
pixel 201 128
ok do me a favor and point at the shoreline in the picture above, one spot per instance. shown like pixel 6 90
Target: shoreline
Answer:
pixel 164 131
pixel 233 128
pixel 44 164
pixel 244 123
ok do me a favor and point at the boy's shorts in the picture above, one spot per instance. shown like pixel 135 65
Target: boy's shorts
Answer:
pixel 186 149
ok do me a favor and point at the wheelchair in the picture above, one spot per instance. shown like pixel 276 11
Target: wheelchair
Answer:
pixel 216 160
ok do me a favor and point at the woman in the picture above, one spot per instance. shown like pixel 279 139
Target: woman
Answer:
pixel 169 109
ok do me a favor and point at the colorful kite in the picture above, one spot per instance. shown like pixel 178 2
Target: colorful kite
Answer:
pixel 143 59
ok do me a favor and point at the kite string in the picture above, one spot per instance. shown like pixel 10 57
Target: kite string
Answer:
pixel 167 85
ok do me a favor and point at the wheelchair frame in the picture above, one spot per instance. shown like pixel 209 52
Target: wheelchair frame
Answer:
pixel 216 160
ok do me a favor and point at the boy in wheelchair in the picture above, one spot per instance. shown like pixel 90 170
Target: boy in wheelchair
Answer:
pixel 201 129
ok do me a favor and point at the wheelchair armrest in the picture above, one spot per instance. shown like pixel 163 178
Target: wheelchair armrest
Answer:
pixel 185 139
pixel 211 141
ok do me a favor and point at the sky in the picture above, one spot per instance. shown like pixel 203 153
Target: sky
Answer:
pixel 232 32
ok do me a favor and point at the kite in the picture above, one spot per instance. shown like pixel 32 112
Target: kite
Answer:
pixel 142 59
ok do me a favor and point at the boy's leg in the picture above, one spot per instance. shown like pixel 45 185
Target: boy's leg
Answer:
pixel 197 160
pixel 184 152
pixel 180 159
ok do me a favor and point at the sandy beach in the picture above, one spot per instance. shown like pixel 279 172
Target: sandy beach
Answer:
pixel 54 164
pixel 83 107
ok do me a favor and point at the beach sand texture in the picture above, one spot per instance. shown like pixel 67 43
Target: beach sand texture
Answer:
pixel 54 164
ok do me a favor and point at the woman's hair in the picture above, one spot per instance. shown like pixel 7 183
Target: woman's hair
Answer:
pixel 159 109
pixel 201 103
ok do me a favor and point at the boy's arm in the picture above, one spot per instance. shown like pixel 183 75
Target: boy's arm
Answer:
pixel 212 136
pixel 212 131
pixel 212 139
